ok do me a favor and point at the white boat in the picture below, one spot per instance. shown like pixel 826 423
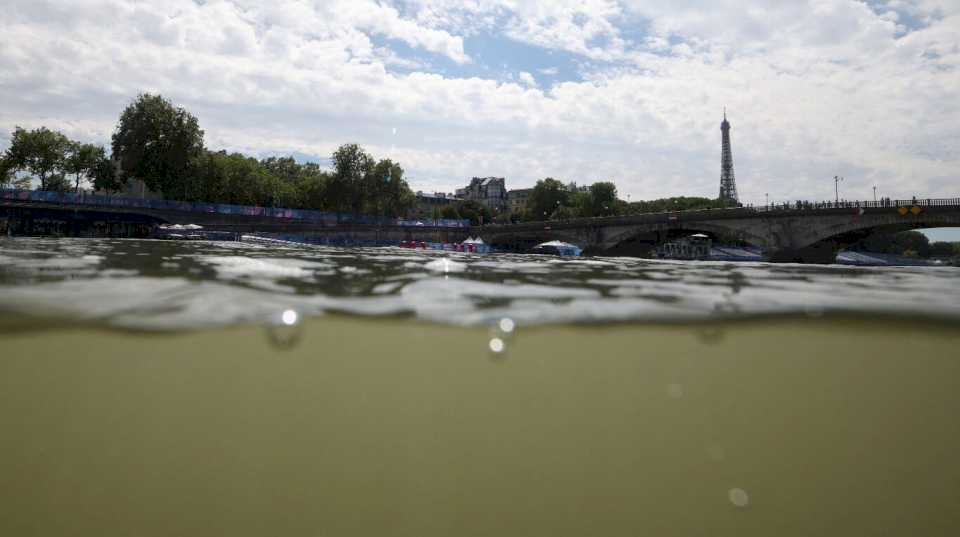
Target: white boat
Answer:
pixel 557 248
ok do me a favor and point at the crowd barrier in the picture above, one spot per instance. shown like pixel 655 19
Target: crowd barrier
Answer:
pixel 106 200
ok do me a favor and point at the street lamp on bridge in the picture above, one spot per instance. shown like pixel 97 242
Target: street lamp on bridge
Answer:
pixel 874 193
pixel 836 187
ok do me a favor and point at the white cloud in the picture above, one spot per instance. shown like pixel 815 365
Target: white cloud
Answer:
pixel 814 89
pixel 527 79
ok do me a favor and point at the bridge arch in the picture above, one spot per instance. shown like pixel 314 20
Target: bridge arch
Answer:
pixel 616 243
pixel 820 243
pixel 851 232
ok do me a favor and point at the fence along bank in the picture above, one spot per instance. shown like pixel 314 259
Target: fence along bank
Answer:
pixel 31 212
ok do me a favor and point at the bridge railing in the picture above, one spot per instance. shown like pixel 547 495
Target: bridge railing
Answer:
pixel 801 205
pixel 102 200
pixel 728 212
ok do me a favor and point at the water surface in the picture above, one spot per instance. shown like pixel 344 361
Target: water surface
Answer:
pixel 159 388
pixel 164 284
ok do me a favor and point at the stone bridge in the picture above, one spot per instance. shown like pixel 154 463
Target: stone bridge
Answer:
pixel 811 235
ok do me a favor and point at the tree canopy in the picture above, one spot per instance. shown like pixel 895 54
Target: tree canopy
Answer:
pixel 679 203
pixel 602 199
pixel 81 161
pixel 41 152
pixel 474 211
pixel 105 176
pixel 345 190
pixel 157 143
pixel 49 156
pixel 908 243
pixel 547 196
pixel 944 249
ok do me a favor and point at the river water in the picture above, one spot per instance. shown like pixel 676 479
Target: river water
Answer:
pixel 200 388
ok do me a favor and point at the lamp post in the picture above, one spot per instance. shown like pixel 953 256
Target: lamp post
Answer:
pixel 874 194
pixel 768 199
pixel 836 188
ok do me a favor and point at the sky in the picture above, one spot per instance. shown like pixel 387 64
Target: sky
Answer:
pixel 630 91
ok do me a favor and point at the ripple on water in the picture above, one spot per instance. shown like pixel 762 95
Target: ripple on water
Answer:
pixel 178 285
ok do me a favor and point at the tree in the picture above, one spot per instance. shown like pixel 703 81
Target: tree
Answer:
pixel 944 249
pixel 603 199
pixel 346 187
pixel 81 160
pixel 58 182
pixel 313 189
pixel 288 180
pixel 8 176
pixel 680 203
pixel 387 193
pixel 912 241
pixel 41 152
pixel 157 143
pixel 449 212
pixel 105 176
pixel 897 243
pixel 211 174
pixel 547 195
pixel 563 212
pixel 474 211
pixel 238 179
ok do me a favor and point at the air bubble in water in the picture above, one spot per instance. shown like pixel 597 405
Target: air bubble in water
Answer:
pixel 738 497
pixel 506 325
pixel 284 331
pixel 497 346
pixel 710 335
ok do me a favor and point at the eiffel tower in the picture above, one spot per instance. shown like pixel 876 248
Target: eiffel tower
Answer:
pixel 728 184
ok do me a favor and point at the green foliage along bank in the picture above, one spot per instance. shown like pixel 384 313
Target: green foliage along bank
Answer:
pixel 56 162
pixel 551 199
pixel 907 244
pixel 161 145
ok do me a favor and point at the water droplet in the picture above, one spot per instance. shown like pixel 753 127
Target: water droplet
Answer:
pixel 284 331
pixel 675 391
pixel 289 317
pixel 738 497
pixel 497 346
pixel 507 325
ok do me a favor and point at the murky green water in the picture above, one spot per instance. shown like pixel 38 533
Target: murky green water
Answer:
pixel 151 388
